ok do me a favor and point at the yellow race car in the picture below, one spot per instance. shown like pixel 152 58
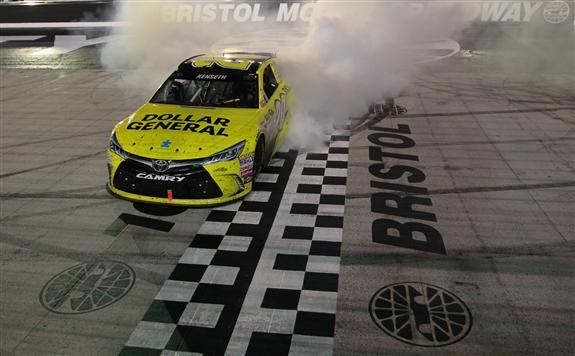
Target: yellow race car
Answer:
pixel 204 135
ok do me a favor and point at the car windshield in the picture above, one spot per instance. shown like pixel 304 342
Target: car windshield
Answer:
pixel 237 92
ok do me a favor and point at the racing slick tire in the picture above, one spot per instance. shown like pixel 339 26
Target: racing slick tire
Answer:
pixel 259 157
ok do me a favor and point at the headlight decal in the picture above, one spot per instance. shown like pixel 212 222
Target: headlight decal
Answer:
pixel 226 155
pixel 116 148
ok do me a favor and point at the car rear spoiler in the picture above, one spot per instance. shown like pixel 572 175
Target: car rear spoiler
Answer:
pixel 263 54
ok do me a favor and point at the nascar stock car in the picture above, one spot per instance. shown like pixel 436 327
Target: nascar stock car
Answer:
pixel 205 134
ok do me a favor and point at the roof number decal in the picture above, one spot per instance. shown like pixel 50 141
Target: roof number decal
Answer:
pixel 238 64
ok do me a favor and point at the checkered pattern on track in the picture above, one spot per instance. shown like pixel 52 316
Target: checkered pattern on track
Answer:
pixel 261 275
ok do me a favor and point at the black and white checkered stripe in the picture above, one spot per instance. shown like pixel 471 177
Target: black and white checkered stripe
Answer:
pixel 261 275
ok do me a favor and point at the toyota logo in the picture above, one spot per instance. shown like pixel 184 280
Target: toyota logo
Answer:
pixel 160 165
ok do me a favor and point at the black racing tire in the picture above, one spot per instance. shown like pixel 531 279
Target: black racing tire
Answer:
pixel 259 158
pixel 159 210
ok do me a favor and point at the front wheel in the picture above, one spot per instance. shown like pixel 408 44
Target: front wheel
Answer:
pixel 258 158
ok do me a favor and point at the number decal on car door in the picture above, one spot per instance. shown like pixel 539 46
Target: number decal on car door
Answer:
pixel 280 113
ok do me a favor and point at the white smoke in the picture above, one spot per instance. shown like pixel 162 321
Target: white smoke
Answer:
pixel 356 54
pixel 353 54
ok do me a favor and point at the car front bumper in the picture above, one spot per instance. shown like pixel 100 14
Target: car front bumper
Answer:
pixel 210 185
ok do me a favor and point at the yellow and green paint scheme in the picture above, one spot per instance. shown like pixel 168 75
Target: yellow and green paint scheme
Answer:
pixel 204 147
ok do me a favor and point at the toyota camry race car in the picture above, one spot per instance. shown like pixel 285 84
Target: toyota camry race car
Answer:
pixel 204 135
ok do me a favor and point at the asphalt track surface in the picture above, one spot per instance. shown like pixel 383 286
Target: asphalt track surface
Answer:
pixel 312 262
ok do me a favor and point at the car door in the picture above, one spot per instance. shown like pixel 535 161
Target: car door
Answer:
pixel 274 105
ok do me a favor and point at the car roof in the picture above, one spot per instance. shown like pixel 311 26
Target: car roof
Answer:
pixel 247 62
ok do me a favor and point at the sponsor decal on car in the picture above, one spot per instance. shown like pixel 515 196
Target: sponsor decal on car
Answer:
pixel 247 168
pixel 179 123
pixel 162 177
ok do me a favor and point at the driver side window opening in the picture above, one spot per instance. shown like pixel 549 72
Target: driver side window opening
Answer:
pixel 270 82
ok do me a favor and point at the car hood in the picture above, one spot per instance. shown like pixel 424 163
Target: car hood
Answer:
pixel 163 131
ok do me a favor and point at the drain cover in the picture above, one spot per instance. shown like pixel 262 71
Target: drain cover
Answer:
pixel 87 287
pixel 420 314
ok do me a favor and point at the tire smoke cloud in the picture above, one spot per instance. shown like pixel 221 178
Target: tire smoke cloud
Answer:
pixel 351 54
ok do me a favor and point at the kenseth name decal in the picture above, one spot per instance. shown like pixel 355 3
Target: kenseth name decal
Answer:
pixel 181 123
pixel 211 76
pixel 400 200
